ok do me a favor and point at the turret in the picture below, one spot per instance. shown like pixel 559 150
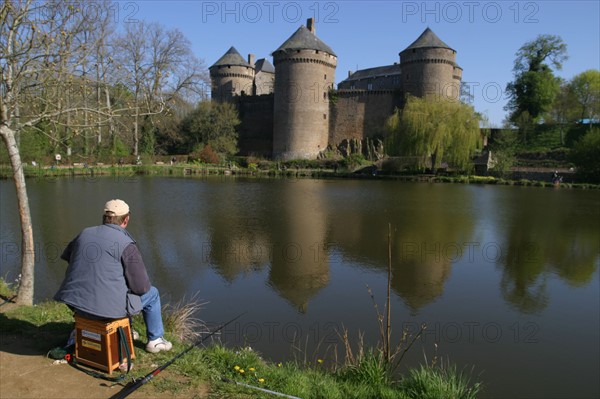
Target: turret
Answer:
pixel 429 68
pixel 304 75
pixel 231 76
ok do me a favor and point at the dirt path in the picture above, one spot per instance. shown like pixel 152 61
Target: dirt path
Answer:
pixel 34 376
pixel 30 375
pixel 27 373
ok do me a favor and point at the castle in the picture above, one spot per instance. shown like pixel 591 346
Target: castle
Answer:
pixel 291 109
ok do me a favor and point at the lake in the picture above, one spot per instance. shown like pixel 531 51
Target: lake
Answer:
pixel 506 278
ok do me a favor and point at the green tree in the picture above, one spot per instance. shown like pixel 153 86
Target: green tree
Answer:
pixel 586 89
pixel 435 129
pixel 586 155
pixel 535 86
pixel 504 151
pixel 212 124
pixel 563 112
pixel 564 108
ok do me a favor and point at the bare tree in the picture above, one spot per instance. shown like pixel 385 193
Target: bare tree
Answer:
pixel 34 42
pixel 40 63
pixel 161 71
pixel 58 76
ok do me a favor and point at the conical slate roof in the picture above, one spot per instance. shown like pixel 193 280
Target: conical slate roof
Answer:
pixel 264 65
pixel 303 39
pixel 428 39
pixel 231 57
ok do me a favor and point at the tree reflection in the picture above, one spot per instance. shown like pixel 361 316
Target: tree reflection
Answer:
pixel 431 225
pixel 293 226
pixel 276 224
pixel 543 235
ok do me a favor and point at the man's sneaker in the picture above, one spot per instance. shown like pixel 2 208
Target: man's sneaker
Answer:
pixel 135 335
pixel 157 345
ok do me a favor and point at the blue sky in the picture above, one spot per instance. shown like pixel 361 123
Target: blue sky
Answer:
pixel 364 34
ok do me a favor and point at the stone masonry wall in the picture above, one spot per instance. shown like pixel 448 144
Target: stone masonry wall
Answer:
pixel 256 129
pixel 430 72
pixel 356 115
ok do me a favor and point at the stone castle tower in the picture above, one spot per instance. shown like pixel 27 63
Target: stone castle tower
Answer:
pixel 231 76
pixel 429 67
pixel 304 75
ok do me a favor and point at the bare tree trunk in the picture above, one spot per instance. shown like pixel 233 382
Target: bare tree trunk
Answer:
pixel 25 293
pixel 111 124
pixel 136 137
pixel 433 161
pixel 388 304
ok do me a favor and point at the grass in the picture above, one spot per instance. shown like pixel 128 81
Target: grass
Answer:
pixel 6 290
pixel 432 382
pixel 180 319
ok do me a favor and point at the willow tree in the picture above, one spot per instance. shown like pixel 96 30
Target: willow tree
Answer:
pixel 434 129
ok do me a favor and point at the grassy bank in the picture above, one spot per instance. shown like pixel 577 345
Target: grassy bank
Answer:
pixel 204 369
pixel 270 170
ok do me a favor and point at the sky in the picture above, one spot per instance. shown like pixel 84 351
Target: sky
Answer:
pixel 365 34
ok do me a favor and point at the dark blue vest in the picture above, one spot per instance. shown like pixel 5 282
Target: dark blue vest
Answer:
pixel 94 282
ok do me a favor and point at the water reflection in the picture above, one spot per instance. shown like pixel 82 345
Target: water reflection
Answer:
pixel 298 253
pixel 429 233
pixel 292 227
pixel 295 230
pixel 254 227
pixel 295 225
pixel 299 270
pixel 568 245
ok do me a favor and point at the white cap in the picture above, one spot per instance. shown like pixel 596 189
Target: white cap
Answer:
pixel 116 206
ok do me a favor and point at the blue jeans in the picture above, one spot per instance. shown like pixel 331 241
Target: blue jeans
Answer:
pixel 151 313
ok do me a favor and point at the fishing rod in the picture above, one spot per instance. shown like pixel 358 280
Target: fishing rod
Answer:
pixel 7 300
pixel 135 384
pixel 259 389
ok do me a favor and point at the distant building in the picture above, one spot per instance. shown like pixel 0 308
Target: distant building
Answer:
pixel 287 109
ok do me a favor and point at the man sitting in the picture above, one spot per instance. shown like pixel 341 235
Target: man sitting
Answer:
pixel 107 279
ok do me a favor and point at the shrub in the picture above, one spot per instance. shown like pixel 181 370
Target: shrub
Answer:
pixel 207 155
pixel 586 156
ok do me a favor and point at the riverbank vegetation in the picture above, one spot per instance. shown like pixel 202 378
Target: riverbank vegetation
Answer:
pixel 360 169
pixel 237 372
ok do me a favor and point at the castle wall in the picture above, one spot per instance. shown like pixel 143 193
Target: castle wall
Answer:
pixel 264 83
pixel 383 82
pixel 301 121
pixel 354 115
pixel 256 128
pixel 372 83
pixel 430 71
pixel 357 114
